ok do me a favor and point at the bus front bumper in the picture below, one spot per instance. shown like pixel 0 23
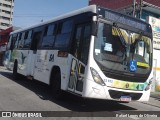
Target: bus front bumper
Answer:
pixel 96 91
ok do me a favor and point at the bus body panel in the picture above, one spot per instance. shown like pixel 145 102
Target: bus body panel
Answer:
pixel 7 59
pixel 31 63
pixel 22 58
pixel 45 61
pixel 25 59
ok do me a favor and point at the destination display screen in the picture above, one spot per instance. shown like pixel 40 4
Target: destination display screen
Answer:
pixel 124 19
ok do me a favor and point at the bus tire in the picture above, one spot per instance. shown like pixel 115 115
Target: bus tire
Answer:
pixel 56 85
pixel 15 73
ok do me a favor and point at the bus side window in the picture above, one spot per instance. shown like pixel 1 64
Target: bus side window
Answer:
pixel 21 41
pixel 36 39
pixel 85 43
pixel 45 31
pixel 13 41
pixel 76 42
pixel 63 34
pixel 48 36
pixel 18 40
pixel 81 42
pixel 9 43
pixel 28 37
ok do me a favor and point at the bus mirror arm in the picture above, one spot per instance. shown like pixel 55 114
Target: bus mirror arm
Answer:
pixel 94 28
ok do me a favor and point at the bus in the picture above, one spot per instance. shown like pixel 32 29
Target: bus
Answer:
pixel 92 52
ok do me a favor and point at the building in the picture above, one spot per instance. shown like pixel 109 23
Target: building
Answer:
pixel 6 13
pixel 146 10
pixel 146 7
pixel 120 4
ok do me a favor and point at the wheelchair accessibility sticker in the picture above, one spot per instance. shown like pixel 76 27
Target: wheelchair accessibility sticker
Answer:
pixel 133 66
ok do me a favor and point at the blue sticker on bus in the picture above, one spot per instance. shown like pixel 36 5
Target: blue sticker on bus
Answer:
pixel 133 66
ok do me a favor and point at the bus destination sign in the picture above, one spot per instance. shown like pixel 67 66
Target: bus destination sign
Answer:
pixel 123 19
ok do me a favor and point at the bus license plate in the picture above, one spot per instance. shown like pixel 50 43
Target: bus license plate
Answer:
pixel 125 98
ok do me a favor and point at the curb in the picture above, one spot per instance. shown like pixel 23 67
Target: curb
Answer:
pixel 149 102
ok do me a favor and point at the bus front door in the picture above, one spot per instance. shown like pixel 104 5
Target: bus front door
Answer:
pixel 80 51
pixel 76 76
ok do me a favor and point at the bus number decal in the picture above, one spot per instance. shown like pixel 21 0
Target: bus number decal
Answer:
pixel 108 80
pixel 51 58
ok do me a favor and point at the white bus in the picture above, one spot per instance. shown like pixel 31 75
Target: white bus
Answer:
pixel 93 52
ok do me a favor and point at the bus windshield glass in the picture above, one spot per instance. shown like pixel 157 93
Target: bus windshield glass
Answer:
pixel 115 48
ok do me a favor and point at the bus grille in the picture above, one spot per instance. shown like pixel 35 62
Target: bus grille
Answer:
pixel 117 94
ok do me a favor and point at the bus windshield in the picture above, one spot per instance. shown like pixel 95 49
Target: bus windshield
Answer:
pixel 115 48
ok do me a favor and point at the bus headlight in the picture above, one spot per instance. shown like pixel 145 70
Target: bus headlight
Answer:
pixel 96 77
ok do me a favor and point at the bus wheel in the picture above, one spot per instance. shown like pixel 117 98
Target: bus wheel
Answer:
pixel 15 74
pixel 56 86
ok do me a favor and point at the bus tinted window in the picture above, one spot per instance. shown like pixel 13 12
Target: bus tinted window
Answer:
pixel 30 34
pixel 67 26
pixel 27 42
pixel 51 30
pixel 85 44
pixel 13 41
pixel 81 42
pixel 62 40
pixel 26 35
pixel 9 42
pixel 21 41
pixel 63 34
pixel 17 40
pixel 59 28
pixel 48 38
pixel 48 42
pixel 27 39
pixel 45 31
pixel 16 44
pixel 36 40
pixel 19 36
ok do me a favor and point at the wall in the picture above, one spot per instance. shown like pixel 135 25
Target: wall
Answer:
pixel 115 4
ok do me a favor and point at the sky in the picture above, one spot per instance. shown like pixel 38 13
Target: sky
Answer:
pixel 30 12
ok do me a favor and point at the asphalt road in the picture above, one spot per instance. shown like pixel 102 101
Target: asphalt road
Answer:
pixel 29 95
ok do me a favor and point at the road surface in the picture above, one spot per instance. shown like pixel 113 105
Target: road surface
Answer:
pixel 29 95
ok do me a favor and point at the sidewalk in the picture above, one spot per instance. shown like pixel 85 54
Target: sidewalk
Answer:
pixel 2 68
pixel 155 95
pixel 154 99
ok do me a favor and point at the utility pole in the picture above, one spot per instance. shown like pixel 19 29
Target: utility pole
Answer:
pixel 134 8
pixel 140 9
